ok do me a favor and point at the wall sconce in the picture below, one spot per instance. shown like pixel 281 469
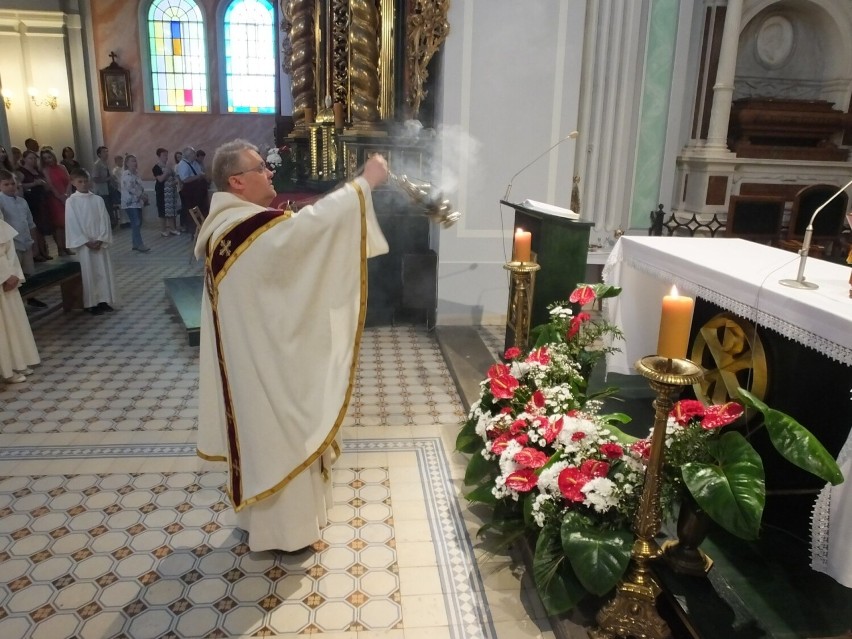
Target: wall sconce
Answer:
pixel 49 100
pixel 7 98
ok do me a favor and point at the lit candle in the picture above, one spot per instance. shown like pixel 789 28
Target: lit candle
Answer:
pixel 675 323
pixel 522 247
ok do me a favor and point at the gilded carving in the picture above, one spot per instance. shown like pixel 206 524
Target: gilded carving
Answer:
pixel 300 15
pixel 427 30
pixel 364 61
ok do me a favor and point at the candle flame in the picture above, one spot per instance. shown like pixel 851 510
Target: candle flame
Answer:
pixel 518 230
pixel 674 292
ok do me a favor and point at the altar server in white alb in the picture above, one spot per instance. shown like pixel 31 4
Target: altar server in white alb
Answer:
pixel 282 316
pixel 17 347
pixel 89 232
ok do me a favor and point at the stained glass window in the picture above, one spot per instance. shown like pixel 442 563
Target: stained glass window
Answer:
pixel 250 56
pixel 178 56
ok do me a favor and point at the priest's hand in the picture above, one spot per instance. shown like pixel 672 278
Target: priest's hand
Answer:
pixel 11 284
pixel 376 171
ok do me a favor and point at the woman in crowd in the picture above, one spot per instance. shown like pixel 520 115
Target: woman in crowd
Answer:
pixel 133 200
pixel 58 190
pixel 68 160
pixel 165 188
pixel 34 185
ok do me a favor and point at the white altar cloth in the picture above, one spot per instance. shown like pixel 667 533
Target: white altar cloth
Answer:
pixel 742 277
pixel 737 275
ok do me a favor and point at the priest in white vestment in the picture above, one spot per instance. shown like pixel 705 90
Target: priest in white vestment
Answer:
pixel 282 315
pixel 89 232
pixel 17 347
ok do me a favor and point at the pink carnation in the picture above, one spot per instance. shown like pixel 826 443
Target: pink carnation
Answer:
pixel 512 353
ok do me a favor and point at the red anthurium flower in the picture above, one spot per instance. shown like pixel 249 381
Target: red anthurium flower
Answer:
pixel 611 450
pixel 500 443
pixel 594 468
pixel 517 426
pixel 718 416
pixel 531 458
pixel 570 481
pixel 538 399
pixel 642 448
pixel 578 436
pixel 504 386
pixel 523 439
pixel 512 353
pixel 551 429
pixel 498 370
pixel 576 323
pixel 523 480
pixel 582 295
pixel 687 409
pixel 539 356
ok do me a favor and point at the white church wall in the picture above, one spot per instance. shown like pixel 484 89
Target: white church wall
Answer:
pixel 509 90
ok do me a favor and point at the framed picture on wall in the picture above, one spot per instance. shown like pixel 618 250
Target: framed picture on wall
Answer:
pixel 115 88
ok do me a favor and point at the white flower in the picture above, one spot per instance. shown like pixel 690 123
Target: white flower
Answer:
pixel 548 480
pixel 560 313
pixel 274 159
pixel 600 494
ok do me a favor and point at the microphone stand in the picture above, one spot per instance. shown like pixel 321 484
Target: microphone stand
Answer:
pixel 800 282
pixel 570 136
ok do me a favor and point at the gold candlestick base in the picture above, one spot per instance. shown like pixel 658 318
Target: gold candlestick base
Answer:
pixel 633 610
pixel 520 300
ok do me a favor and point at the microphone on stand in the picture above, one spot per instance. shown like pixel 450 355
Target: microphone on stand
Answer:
pixel 800 282
pixel 570 136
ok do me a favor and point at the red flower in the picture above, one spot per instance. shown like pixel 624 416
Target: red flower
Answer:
pixel 722 415
pixel 551 430
pixel 500 443
pixel 506 410
pixel 531 458
pixel 575 437
pixel 504 386
pixel 594 468
pixel 498 370
pixel 517 426
pixel 687 409
pixel 570 481
pixel 642 448
pixel 576 323
pixel 523 480
pixel 613 451
pixel 582 295
pixel 539 356
pixel 512 353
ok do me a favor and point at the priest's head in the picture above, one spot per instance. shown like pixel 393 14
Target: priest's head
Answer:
pixel 239 169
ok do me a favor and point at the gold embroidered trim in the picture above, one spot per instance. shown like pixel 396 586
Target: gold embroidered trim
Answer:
pixel 206 457
pixel 332 435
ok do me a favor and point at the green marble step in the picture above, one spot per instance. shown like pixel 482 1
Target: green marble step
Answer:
pixel 184 293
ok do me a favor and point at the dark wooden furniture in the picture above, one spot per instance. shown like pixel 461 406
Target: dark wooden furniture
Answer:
pixel 828 224
pixel 755 217
pixel 562 248
pixel 64 274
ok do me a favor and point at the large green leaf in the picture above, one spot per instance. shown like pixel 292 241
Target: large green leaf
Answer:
pixel 599 557
pixel 731 491
pixel 467 440
pixel 478 468
pixel 556 583
pixel 482 494
pixel 623 438
pixel 795 442
pixel 546 334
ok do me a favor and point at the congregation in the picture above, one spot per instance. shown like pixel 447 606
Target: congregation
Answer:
pixel 42 196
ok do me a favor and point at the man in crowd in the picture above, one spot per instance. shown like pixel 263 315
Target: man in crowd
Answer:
pixel 193 183
pixel 100 182
pixel 282 315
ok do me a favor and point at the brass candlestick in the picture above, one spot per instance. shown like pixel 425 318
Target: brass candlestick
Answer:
pixel 633 610
pixel 520 300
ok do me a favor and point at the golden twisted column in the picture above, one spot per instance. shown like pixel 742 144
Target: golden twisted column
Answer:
pixel 300 15
pixel 364 62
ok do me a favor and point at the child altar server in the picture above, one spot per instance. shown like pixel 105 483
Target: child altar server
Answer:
pixel 17 347
pixel 88 231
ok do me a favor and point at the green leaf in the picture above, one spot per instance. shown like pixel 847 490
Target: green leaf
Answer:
pixel 795 442
pixel 482 494
pixel 526 507
pixel 604 290
pixel 731 491
pixel 622 437
pixel 547 334
pixel 478 468
pixel 556 583
pixel 467 440
pixel 598 556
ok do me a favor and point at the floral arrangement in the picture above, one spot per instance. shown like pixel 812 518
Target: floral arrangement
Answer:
pixel 280 160
pixel 557 471
pixel 719 468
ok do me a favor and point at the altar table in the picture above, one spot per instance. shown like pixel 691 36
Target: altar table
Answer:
pixel 743 278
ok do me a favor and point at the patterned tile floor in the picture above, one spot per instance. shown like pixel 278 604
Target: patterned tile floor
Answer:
pixel 110 526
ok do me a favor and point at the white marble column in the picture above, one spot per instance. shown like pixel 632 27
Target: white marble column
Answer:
pixel 723 89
